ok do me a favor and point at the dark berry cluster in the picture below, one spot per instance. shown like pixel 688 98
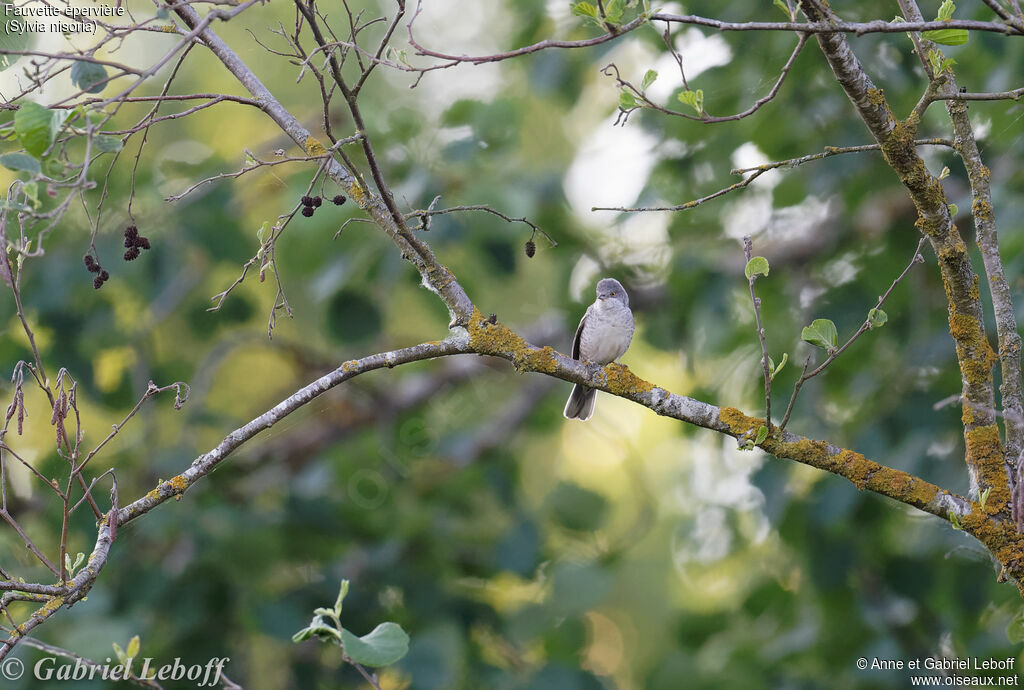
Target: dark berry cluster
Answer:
pixel 310 204
pixel 530 249
pixel 94 267
pixel 134 242
pixel 338 200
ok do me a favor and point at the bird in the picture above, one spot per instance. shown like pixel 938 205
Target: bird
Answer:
pixel 604 335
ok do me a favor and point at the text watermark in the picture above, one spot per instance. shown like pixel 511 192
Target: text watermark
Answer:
pixel 52 668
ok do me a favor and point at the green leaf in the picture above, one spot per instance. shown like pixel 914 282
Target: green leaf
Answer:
pixel 627 100
pixel 777 369
pixel 342 592
pixel 954 520
pixel 1015 630
pixel 11 41
pixel 35 127
pixel 88 76
pixel 983 499
pixel 317 628
pixel 121 656
pixel 649 77
pixel 107 143
pixel 133 647
pixel 953 208
pixel 945 172
pixel 613 10
pixel 947 37
pixel 782 6
pixel 877 318
pixel 694 99
pixel 385 645
pixel 19 162
pixel 585 9
pixel 757 266
pixel 946 10
pixel 762 434
pixel 821 333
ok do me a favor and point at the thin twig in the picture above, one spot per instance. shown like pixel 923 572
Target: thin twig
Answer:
pixel 748 251
pixel 916 259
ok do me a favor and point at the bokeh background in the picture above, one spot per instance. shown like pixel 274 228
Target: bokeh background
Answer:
pixel 519 550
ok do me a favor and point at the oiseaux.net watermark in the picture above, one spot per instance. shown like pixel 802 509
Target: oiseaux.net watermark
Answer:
pixel 52 668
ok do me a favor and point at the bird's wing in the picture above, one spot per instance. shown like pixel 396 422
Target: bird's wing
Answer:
pixel 579 333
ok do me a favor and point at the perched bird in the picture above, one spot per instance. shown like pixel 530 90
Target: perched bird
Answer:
pixel 603 336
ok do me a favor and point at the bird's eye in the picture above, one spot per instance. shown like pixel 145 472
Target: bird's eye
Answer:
pixel 613 293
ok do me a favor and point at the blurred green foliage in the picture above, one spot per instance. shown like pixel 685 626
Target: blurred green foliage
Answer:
pixel 630 552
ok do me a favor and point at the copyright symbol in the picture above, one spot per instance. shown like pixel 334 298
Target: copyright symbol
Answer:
pixel 11 669
pixel 862 663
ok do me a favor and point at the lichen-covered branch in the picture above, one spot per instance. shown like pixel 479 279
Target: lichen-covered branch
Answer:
pixel 986 237
pixel 985 459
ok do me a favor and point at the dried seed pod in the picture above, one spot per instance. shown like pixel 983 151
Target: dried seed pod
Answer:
pixel 530 249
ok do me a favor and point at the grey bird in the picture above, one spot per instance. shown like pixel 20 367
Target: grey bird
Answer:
pixel 603 336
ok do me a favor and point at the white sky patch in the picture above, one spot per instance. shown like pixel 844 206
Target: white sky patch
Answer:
pixel 982 127
pixel 699 52
pixel 610 169
pixel 749 156
pixel 842 270
pixel 458 28
pixel 583 278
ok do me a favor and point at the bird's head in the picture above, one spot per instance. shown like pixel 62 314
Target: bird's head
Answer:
pixel 611 289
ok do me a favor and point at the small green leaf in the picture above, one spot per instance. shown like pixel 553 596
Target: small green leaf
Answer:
pixel 945 172
pixel 317 628
pixel 821 333
pixel 777 369
pixel 302 635
pixel 782 6
pixel 757 266
pixel 627 101
pixel 35 127
pixel 613 10
pixel 385 645
pixel 133 647
pixel 954 520
pixel 762 434
pixel 649 77
pixel 983 499
pixel 88 76
pixel 107 143
pixel 877 318
pixel 947 37
pixel 19 162
pixel 946 10
pixel 342 593
pixel 953 208
pixel 121 656
pixel 585 9
pixel 694 99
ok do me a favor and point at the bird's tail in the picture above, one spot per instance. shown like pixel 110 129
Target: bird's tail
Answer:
pixel 581 403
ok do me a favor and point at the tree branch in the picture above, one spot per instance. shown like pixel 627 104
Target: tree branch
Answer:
pixel 985 458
